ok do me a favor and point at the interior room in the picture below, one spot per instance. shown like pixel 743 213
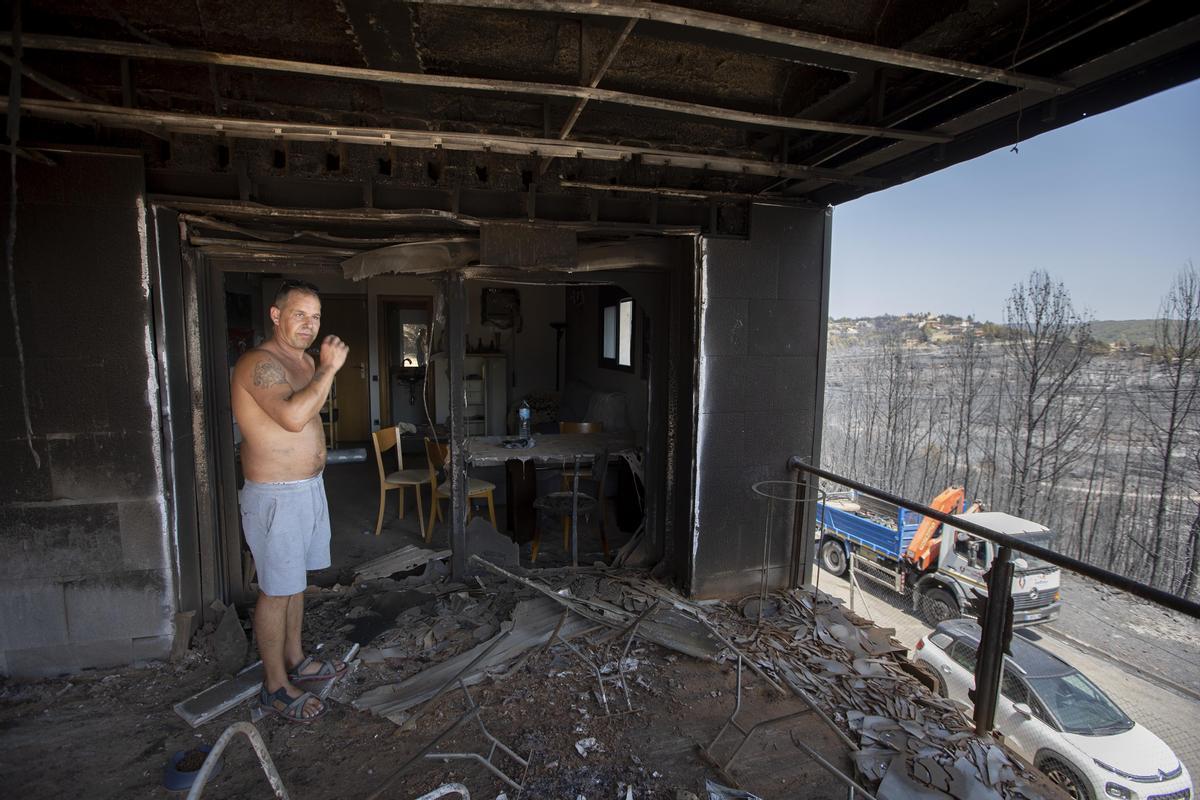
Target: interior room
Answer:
pixel 577 354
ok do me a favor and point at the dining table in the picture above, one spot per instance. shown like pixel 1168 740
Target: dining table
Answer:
pixel 546 450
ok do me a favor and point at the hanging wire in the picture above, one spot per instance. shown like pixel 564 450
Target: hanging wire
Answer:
pixel 10 242
pixel 1020 105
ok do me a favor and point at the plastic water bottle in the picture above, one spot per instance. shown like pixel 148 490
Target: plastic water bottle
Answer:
pixel 523 414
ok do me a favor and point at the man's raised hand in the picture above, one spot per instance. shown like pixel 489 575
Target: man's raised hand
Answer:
pixel 333 353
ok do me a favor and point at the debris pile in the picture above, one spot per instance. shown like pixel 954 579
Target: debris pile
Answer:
pixel 439 636
pixel 910 742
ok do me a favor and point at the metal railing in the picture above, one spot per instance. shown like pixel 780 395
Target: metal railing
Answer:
pixel 1136 588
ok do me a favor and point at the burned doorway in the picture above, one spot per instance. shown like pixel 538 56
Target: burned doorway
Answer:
pixel 404 325
pixel 347 415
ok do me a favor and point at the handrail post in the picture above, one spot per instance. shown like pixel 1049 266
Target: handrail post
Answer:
pixel 801 538
pixel 993 641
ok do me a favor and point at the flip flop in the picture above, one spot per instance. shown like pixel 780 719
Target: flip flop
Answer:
pixel 327 672
pixel 294 710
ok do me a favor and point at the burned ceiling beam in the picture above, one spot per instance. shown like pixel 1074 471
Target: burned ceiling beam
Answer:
pixel 205 125
pixel 721 23
pixel 933 100
pixel 582 102
pixel 987 127
pixel 687 194
pixel 450 82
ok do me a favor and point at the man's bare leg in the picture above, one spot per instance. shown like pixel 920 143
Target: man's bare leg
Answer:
pixel 272 618
pixel 293 646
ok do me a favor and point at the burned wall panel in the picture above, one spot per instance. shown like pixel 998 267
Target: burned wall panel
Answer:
pixel 760 367
pixel 82 523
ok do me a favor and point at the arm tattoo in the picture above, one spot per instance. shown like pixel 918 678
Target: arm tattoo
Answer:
pixel 268 373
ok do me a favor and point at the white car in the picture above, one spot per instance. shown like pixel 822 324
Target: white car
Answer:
pixel 1055 718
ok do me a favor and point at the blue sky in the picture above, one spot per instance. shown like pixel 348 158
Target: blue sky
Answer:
pixel 1109 205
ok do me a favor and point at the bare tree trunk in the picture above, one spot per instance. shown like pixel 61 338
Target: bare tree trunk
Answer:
pixel 1001 392
pixel 1085 551
pixel 1049 347
pixel 1177 340
pixel 1117 543
pixel 1191 578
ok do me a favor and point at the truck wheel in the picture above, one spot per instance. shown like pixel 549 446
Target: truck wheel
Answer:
pixel 833 557
pixel 937 605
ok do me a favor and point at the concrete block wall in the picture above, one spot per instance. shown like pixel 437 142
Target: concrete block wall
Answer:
pixel 85 577
pixel 761 378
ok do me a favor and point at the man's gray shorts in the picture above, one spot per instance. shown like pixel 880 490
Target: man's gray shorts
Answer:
pixel 287 528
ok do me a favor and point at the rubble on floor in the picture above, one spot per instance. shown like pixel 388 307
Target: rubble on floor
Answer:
pixel 603 682
pixel 402 560
pixel 902 740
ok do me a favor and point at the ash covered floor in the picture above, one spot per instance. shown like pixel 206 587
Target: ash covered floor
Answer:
pixel 526 639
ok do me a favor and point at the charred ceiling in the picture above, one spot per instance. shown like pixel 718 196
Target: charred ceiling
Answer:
pixel 657 108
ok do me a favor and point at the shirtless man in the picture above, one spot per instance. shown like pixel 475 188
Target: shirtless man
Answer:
pixel 278 393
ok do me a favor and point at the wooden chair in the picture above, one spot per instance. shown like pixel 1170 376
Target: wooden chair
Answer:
pixel 561 504
pixel 386 439
pixel 438 455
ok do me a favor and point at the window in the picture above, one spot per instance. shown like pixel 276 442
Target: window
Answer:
pixel 964 654
pixel 942 640
pixel 1012 687
pixel 616 330
pixel 413 344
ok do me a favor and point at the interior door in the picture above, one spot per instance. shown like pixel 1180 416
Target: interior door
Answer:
pixel 346 318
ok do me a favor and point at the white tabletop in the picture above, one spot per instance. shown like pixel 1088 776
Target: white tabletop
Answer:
pixel 549 448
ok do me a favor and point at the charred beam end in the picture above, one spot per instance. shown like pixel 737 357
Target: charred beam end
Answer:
pixel 1136 588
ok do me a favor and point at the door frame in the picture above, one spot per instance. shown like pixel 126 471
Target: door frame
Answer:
pixel 414 302
pixel 224 570
pixel 367 338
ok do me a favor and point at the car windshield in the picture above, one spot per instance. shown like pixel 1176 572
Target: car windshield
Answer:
pixel 1047 540
pixel 1079 705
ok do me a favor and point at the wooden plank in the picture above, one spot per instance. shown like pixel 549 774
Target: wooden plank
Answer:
pixel 204 125
pixel 402 560
pixel 750 29
pixel 588 93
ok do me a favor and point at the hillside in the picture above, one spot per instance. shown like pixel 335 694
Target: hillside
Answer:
pixel 937 329
pixel 1133 331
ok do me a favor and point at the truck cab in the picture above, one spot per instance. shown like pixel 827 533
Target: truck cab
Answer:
pixel 964 558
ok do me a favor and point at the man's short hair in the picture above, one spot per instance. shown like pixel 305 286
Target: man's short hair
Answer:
pixel 290 286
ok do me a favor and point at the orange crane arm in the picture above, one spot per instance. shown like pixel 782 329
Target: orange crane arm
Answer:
pixel 921 550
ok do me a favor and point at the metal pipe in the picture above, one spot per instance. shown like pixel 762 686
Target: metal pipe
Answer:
pixel 846 779
pixel 446 789
pixel 260 750
pixel 1136 588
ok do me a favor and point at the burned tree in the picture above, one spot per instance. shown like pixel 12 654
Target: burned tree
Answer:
pixel 1047 346
pixel 1177 364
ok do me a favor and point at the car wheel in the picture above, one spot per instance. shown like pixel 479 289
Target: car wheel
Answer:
pixel 833 557
pixel 1065 777
pixel 937 605
pixel 933 679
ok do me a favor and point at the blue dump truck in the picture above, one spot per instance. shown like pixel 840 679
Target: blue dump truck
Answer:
pixel 938 565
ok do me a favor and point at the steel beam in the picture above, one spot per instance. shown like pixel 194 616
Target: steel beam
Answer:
pixel 720 23
pixel 207 125
pixel 451 82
